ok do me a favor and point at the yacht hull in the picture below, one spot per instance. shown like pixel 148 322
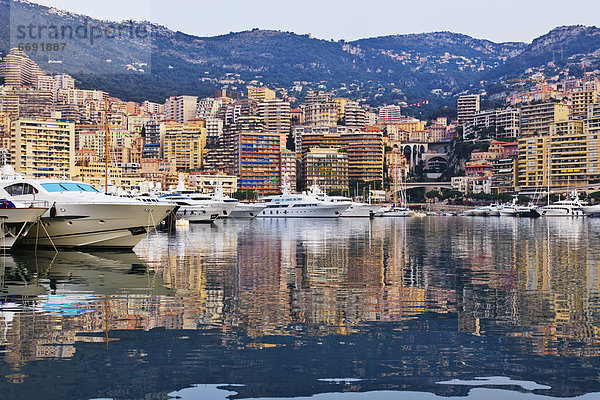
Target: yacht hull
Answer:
pixel 591 211
pixel 560 212
pixel 247 210
pixel 396 213
pixel 322 211
pixel 96 225
pixel 198 214
pixel 528 213
pixel 360 211
pixel 15 222
pixel 227 209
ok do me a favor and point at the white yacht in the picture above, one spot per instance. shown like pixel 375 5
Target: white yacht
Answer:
pixel 217 200
pixel 509 209
pixel 354 209
pixel 591 210
pixel 528 211
pixel 398 212
pixel 247 210
pixel 79 216
pixel 193 210
pixel 293 205
pixel 572 207
pixel 15 221
pixel 483 211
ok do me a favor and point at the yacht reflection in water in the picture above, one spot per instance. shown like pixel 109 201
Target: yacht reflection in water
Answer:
pixel 280 308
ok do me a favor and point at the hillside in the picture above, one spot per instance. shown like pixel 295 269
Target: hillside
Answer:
pixel 378 70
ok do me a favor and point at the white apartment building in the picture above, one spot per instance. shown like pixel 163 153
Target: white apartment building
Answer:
pixel 181 108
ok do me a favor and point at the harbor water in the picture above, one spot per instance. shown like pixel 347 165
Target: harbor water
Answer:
pixel 385 308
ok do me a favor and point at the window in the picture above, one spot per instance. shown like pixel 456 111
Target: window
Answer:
pixel 69 187
pixel 19 189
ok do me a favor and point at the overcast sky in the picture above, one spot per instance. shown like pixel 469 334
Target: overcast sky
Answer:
pixel 497 20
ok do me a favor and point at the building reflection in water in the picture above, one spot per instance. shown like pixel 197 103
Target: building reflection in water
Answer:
pixel 535 282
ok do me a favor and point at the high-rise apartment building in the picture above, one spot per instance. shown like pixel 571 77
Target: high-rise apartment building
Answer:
pixel 390 114
pixel 320 110
pixel 340 106
pixel 580 100
pixel 239 108
pixel 153 108
pixel 208 107
pixel 19 70
pixel 181 109
pixel 354 115
pixel 184 144
pixel 564 159
pixel 505 122
pixel 365 152
pixel 327 167
pixel 466 108
pixel 260 94
pixel 80 97
pixel 153 136
pixel 43 148
pixel 288 167
pixel 275 114
pixel 64 81
pixel 536 118
pixel 258 161
pixel 26 102
pixel 214 129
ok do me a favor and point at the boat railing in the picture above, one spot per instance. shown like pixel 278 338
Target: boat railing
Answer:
pixel 35 203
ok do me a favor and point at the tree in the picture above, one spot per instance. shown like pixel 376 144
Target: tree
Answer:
pixel 453 194
pixel 595 196
pixel 289 143
pixel 433 194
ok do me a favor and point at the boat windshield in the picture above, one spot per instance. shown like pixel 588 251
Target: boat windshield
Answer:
pixel 69 187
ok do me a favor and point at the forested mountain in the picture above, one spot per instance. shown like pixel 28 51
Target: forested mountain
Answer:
pixel 381 69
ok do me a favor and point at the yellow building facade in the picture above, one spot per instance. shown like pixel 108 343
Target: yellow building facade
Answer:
pixel 43 148
pixel 184 145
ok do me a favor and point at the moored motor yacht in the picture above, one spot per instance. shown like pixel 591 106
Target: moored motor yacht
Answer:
pixel 193 210
pixel 572 207
pixel 528 211
pixel 79 216
pixel 509 209
pixel 355 209
pixel 483 211
pixel 217 199
pixel 299 205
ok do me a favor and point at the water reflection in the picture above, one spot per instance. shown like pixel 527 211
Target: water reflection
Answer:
pixel 279 307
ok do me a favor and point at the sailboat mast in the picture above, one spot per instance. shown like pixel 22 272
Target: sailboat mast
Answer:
pixel 548 177
pixel 107 145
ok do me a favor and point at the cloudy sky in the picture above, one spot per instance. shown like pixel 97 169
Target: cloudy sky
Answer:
pixel 497 20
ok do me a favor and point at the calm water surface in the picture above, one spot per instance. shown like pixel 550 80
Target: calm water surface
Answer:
pixel 447 307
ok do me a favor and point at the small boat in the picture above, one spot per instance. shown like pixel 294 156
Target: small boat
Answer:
pixel 399 212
